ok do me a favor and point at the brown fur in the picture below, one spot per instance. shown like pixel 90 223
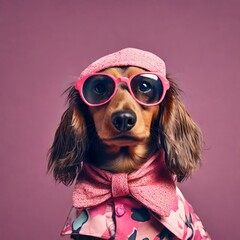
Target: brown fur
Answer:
pixel 87 134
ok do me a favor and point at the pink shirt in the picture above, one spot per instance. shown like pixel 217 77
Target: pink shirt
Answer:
pixel 128 217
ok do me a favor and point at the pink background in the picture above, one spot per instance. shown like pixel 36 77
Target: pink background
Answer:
pixel 44 45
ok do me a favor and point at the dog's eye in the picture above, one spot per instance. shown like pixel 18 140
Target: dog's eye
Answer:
pixel 145 87
pixel 100 88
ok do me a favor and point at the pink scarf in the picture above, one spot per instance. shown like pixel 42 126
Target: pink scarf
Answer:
pixel 152 185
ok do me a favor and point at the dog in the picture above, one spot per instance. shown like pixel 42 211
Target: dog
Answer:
pixel 126 138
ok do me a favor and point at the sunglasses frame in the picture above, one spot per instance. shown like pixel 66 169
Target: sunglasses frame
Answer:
pixel 80 82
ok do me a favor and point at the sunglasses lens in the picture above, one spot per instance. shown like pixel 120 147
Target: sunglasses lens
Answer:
pixel 98 89
pixel 147 88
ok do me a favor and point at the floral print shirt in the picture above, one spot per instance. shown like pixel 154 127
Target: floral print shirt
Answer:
pixel 124 218
pixel 142 205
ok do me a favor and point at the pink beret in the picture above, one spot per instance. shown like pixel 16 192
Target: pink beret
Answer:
pixel 128 57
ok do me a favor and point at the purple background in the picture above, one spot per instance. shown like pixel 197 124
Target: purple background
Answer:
pixel 44 45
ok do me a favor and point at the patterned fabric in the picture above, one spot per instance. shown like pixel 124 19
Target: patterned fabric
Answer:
pixel 111 206
pixel 125 219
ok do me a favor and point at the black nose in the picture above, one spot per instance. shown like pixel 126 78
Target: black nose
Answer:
pixel 124 120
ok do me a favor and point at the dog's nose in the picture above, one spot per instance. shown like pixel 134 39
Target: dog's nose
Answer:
pixel 124 120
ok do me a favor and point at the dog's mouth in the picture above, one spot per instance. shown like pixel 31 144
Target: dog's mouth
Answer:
pixel 123 140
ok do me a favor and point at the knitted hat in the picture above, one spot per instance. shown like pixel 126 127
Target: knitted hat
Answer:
pixel 128 57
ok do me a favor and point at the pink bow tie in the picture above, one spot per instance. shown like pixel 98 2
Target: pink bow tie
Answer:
pixel 152 185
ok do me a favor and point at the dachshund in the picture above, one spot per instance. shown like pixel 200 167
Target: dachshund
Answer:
pixel 120 115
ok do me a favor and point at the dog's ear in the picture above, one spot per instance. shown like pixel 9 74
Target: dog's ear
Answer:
pixel 70 142
pixel 179 135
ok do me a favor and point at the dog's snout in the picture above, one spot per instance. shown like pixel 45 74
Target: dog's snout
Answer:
pixel 124 120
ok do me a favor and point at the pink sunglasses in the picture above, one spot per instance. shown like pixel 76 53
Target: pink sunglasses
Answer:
pixel 147 88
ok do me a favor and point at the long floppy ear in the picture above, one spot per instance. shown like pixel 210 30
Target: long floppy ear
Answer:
pixel 70 142
pixel 179 135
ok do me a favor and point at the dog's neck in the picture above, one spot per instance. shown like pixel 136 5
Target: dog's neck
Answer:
pixel 121 159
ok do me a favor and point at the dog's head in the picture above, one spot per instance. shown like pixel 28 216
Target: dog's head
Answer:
pixel 121 111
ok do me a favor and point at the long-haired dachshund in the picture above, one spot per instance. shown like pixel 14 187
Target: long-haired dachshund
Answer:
pixel 126 138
